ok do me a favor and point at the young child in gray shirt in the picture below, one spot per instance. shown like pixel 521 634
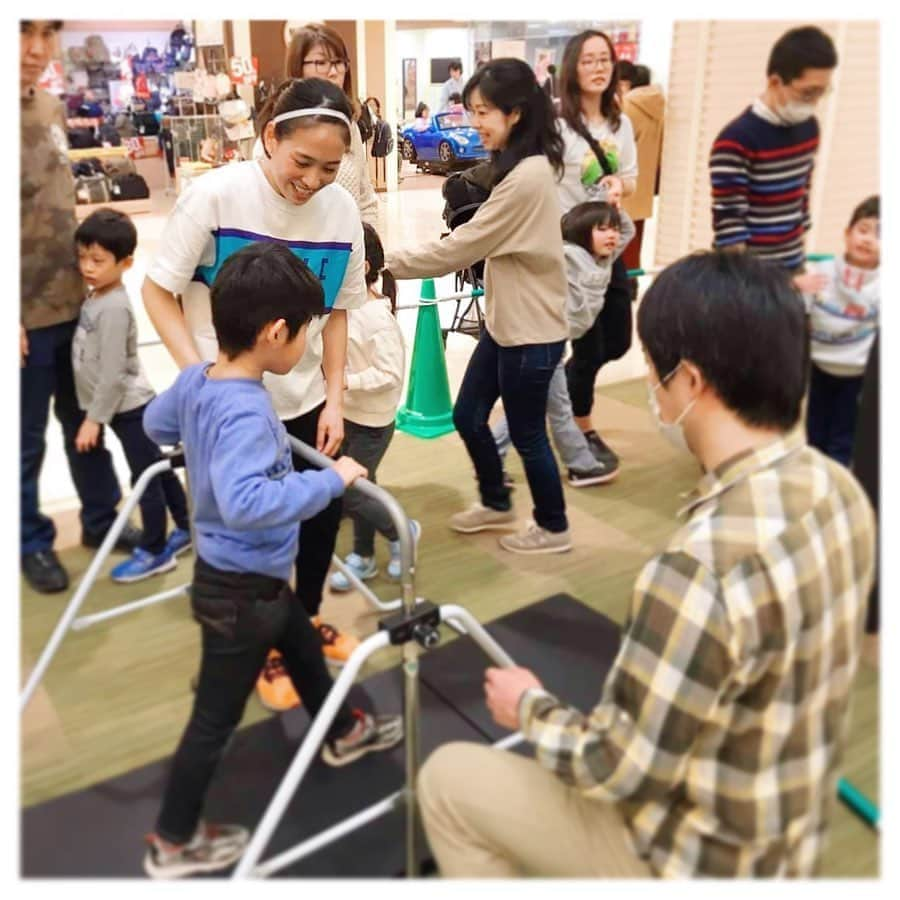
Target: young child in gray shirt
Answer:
pixel 113 390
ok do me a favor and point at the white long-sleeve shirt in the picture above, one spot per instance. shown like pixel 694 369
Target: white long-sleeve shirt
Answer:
pixel 844 317
pixel 376 361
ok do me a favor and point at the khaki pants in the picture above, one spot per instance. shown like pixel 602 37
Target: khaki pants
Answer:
pixel 491 814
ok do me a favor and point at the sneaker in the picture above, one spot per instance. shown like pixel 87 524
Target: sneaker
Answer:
pixel 363 567
pixel 129 539
pixel 599 474
pixel 535 539
pixel 179 541
pixel 213 847
pixel 394 570
pixel 482 518
pixel 142 564
pixel 602 453
pixel 370 733
pixel 274 686
pixel 44 572
pixel 336 647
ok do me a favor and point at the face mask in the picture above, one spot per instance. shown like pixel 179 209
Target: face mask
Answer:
pixel 673 432
pixel 793 112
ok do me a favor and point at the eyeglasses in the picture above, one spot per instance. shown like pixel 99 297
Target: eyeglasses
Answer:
pixel 324 66
pixel 594 62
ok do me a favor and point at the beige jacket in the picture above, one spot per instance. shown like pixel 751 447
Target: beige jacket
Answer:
pixel 645 106
pixel 354 176
pixel 516 230
pixel 376 359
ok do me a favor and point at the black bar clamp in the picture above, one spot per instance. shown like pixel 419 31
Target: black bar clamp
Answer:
pixel 175 456
pixel 421 625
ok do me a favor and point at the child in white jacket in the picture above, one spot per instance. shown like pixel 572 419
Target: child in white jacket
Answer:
pixel 376 359
pixel 595 234
pixel 843 322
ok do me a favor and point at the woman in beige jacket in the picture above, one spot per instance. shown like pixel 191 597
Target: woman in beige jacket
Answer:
pixel 517 232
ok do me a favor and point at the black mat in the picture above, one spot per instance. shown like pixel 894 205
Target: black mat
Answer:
pixel 97 832
pixel 569 646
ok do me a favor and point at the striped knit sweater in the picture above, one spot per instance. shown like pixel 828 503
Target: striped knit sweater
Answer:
pixel 760 174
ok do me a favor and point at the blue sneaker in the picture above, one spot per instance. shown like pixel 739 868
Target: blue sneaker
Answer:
pixel 178 541
pixel 142 564
pixel 363 568
pixel 393 567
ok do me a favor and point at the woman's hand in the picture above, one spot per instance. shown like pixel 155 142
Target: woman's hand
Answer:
pixel 330 431
pixel 614 188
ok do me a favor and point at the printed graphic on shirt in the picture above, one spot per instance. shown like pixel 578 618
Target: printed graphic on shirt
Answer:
pixel 327 260
pixel 591 170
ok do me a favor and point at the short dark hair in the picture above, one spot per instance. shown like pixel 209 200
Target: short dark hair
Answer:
pixel 741 322
pixel 641 76
pixel 110 229
pixel 801 48
pixel 455 97
pixel 261 283
pixel 578 223
pixel 456 64
pixel 870 208
pixel 625 69
pixel 420 110
pixel 375 259
pixel 55 24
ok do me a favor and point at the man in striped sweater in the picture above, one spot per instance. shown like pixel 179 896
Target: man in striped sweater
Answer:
pixel 761 162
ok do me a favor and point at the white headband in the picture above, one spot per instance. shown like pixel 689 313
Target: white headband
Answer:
pixel 312 111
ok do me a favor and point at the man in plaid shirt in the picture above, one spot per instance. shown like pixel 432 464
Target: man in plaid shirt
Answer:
pixel 715 746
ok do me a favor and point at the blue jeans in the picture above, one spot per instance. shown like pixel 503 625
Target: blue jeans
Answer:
pixel 520 376
pixel 831 413
pixel 48 374
pixel 163 491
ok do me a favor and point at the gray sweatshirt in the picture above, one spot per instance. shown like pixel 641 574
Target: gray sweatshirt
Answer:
pixel 108 374
pixel 588 279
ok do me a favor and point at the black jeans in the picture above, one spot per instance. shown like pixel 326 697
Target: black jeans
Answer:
pixel 318 535
pixel 163 491
pixel 831 413
pixel 607 339
pixel 367 445
pixel 48 375
pixel 521 377
pixel 241 616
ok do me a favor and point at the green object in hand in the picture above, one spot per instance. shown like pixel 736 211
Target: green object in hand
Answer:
pixel 591 171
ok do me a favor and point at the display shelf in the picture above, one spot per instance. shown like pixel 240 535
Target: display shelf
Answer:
pixel 129 207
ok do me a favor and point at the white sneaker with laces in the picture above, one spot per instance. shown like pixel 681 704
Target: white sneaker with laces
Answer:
pixel 534 539
pixel 482 518
pixel 213 847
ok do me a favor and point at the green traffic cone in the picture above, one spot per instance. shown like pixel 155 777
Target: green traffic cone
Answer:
pixel 428 411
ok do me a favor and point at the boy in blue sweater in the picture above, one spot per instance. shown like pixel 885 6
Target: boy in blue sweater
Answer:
pixel 247 502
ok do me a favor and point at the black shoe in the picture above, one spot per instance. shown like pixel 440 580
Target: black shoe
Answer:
pixel 600 474
pixel 44 572
pixel 603 454
pixel 129 538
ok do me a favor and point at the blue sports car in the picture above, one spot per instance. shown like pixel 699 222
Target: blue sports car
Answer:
pixel 446 139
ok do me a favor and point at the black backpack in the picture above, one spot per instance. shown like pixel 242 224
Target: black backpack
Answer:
pixel 365 123
pixel 129 186
pixel 383 143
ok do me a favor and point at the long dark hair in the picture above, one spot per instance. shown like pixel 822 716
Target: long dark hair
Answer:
pixel 305 39
pixel 510 84
pixel 304 93
pixel 375 259
pixel 570 91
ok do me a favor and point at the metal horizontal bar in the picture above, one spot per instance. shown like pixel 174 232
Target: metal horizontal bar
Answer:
pixel 96 618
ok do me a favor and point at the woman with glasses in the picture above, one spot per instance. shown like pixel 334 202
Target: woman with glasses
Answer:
pixel 318 51
pixel 592 125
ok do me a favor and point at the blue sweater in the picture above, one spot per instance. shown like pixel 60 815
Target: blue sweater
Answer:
pixel 247 499
pixel 760 175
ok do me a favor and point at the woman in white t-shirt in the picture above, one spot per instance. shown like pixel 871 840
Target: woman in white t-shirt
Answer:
pixel 288 196
pixel 591 120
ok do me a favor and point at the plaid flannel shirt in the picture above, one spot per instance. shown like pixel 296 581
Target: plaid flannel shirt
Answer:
pixel 722 721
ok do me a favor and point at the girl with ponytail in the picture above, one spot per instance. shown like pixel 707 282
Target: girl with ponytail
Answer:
pixel 376 360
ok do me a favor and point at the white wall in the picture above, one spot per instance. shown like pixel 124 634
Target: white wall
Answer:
pixel 426 44
pixel 655 49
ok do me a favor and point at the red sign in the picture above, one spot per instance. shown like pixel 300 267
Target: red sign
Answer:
pixel 243 70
